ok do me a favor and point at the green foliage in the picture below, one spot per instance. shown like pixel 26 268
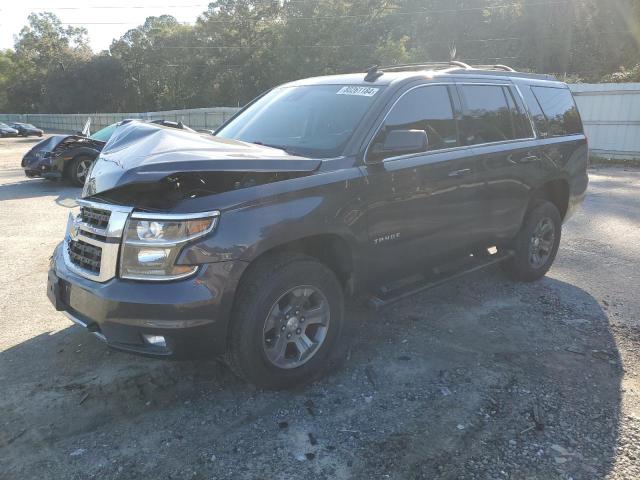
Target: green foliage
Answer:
pixel 624 75
pixel 240 48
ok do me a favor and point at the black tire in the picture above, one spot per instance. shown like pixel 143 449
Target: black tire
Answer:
pixel 262 287
pixel 76 172
pixel 526 266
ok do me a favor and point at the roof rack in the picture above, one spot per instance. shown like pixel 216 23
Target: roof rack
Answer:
pixel 375 71
pixel 451 64
pixel 494 67
pixel 423 65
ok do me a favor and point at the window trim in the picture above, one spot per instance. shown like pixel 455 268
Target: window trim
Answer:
pixel 455 85
pixel 384 119
pixel 527 110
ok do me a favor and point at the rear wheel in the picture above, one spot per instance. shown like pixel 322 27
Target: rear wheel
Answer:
pixel 536 245
pixel 78 170
pixel 287 322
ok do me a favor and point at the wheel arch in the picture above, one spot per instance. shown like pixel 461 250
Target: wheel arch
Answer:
pixel 331 249
pixel 555 191
pixel 68 157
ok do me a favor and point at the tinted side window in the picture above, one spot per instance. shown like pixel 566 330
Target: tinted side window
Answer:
pixel 539 120
pixel 521 123
pixel 425 108
pixel 560 111
pixel 488 116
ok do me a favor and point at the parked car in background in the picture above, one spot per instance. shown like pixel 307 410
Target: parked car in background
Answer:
pixel 71 156
pixel 7 131
pixel 27 129
pixel 246 243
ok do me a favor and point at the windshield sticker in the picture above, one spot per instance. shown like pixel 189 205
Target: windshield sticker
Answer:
pixel 361 91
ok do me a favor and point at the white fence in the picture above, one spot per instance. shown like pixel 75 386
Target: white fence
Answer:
pixel 611 116
pixel 610 112
pixel 196 118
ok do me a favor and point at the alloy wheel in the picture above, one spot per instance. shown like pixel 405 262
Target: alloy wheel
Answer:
pixel 83 169
pixel 541 243
pixel 296 327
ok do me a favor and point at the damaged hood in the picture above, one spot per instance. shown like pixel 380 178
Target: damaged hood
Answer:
pixel 48 144
pixel 141 152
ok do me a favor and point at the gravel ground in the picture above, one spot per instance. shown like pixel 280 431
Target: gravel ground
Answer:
pixel 481 378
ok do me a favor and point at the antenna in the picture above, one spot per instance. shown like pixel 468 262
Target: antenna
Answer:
pixel 452 51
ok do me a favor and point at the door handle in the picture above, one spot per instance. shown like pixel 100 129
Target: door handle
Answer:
pixel 527 159
pixel 460 173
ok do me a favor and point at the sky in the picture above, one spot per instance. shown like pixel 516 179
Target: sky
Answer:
pixel 104 20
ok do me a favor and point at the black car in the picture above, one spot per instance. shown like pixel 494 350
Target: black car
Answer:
pixel 7 131
pixel 26 129
pixel 71 156
pixel 375 185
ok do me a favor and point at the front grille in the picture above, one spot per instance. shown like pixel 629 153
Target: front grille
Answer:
pixel 93 238
pixel 85 255
pixel 95 217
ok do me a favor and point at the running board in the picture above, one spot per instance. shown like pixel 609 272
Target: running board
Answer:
pixel 402 289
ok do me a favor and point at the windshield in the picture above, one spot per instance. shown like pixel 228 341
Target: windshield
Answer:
pixel 104 134
pixel 314 120
pixel 3 125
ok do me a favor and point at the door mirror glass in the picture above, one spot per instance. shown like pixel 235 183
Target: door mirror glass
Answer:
pixel 399 142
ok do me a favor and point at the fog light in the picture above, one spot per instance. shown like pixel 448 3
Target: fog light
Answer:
pixel 155 340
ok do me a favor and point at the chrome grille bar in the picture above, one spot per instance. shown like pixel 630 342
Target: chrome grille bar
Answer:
pixel 93 238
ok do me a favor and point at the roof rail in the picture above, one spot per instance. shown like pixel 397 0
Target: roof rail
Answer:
pixel 373 72
pixel 454 66
pixel 494 67
pixel 411 66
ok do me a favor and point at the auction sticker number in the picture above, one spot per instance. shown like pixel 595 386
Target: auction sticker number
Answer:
pixel 361 91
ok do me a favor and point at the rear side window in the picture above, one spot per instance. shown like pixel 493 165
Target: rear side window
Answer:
pixel 492 115
pixel 560 112
pixel 425 108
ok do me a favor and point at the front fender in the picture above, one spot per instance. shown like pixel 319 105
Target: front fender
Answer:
pixel 317 208
pixel 59 162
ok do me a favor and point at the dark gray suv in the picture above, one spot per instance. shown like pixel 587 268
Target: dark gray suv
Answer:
pixel 246 244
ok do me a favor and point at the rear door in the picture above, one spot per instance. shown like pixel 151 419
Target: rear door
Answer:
pixel 496 125
pixel 421 206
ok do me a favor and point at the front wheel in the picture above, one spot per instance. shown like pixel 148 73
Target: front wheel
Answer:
pixel 78 170
pixel 287 322
pixel 536 245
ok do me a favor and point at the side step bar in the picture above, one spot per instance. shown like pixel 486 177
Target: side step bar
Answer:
pixel 402 289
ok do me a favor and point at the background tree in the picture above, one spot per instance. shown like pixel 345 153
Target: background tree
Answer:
pixel 239 48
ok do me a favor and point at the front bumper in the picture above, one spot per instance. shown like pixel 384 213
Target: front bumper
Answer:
pixel 40 167
pixel 192 314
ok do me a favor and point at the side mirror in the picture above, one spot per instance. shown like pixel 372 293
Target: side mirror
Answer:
pixel 399 142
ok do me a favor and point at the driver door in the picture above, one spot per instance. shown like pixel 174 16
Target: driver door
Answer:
pixel 422 206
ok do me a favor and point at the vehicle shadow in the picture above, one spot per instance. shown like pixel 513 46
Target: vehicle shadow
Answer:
pixel 479 375
pixel 35 187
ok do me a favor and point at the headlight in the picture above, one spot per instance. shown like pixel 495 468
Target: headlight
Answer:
pixel 152 243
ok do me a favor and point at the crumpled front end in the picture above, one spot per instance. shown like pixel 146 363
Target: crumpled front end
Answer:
pixel 39 164
pixel 144 157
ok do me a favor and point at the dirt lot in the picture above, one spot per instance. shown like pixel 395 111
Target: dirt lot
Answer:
pixel 481 378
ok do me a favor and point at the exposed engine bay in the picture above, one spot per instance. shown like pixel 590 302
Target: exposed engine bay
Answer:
pixel 155 168
pixel 74 141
